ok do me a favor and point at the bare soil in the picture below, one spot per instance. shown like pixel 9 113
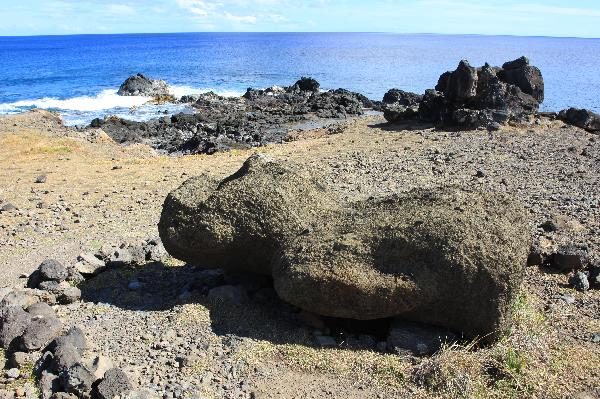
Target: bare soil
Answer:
pixel 99 193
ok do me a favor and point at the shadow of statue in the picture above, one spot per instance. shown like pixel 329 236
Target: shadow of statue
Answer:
pixel 240 304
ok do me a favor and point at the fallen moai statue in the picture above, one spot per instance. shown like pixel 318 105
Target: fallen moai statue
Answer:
pixel 446 257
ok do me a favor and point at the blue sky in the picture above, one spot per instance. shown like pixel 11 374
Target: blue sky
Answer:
pixel 526 17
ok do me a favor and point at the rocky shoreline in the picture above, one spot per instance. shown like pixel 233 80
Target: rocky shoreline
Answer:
pixel 222 123
pixel 508 206
pixel 467 98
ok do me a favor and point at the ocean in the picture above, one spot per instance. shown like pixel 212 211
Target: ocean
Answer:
pixel 78 76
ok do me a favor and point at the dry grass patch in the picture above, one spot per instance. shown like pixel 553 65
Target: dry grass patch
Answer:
pixel 368 366
pixel 193 315
pixel 532 362
pixel 32 144
pixel 529 363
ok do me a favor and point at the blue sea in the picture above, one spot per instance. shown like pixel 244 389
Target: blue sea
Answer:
pixel 78 76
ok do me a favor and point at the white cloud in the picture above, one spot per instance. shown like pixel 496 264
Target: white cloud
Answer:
pixel 240 19
pixel 276 18
pixel 238 12
pixel 467 7
pixel 199 8
pixel 120 9
pixel 557 10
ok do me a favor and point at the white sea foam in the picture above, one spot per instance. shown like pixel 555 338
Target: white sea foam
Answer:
pixel 82 110
pixel 8 109
pixel 107 99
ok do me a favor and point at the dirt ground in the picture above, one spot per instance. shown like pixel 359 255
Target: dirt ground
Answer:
pixel 97 192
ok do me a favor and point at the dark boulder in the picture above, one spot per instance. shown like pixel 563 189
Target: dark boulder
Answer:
pixel 53 270
pixel 494 94
pixel 306 84
pixel 401 97
pixel 582 118
pixel 569 258
pixel 526 77
pixel 482 89
pixel 69 295
pixel 396 114
pixel 580 281
pixel 462 83
pixel 357 97
pixel 40 332
pixel 64 357
pixel 13 322
pixel 399 105
pixel 256 94
pixel 78 380
pixel 74 337
pixel 336 104
pixel 484 97
pixel 96 123
pixel 251 94
pixel 140 85
pixel 115 383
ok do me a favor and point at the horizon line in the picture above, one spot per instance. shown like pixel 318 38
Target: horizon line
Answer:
pixel 301 32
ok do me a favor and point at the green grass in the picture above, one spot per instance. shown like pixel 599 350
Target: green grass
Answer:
pixel 514 362
pixel 527 318
pixel 27 376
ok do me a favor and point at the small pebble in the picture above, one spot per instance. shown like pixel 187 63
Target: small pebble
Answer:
pixel 580 281
pixel 41 179
pixel 13 373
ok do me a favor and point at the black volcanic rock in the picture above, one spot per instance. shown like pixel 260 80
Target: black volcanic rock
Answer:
pixel 140 85
pixel 307 85
pixel 582 118
pixel 462 83
pixel 399 105
pixel 222 123
pixel 526 77
pixel 401 97
pixel 470 97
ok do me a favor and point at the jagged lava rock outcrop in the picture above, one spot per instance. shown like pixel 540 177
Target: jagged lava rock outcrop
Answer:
pixel 399 105
pixel 582 118
pixel 141 85
pixel 221 123
pixel 445 257
pixel 470 97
